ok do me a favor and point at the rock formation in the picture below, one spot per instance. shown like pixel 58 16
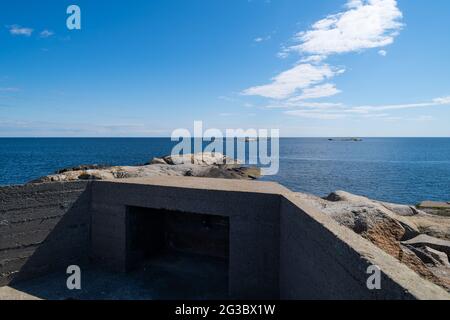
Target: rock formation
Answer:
pixel 213 165
pixel 418 239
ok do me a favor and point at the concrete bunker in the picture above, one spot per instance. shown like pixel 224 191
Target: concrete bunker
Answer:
pixel 181 237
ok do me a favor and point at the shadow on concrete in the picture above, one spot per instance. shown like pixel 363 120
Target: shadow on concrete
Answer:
pixel 67 242
pixel 176 276
pixel 173 274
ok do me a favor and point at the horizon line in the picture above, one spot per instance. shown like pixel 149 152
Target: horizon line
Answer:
pixel 168 137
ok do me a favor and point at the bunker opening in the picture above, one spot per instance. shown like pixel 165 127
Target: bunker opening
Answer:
pixel 187 253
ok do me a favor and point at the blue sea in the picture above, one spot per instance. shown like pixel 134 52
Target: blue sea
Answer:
pixel 401 170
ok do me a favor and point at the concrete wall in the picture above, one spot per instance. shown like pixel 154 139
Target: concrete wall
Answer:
pixel 320 259
pixel 42 228
pixel 253 219
pixel 316 264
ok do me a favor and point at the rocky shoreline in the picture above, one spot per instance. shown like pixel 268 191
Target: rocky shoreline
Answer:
pixel 192 165
pixel 418 238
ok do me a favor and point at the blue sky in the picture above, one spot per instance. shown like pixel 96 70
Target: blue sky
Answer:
pixel 145 68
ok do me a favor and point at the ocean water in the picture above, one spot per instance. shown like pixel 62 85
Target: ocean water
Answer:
pixel 402 170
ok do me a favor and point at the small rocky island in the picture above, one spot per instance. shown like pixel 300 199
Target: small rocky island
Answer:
pixel 418 238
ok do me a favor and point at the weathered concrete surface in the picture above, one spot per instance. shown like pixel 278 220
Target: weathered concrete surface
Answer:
pixel 9 293
pixel 161 279
pixel 42 228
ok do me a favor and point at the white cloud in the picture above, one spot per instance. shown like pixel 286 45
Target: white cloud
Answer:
pixel 20 31
pixel 366 24
pixel 284 54
pixel 321 105
pixel 313 59
pixel 289 82
pixel 304 104
pixel 314 114
pixel 337 111
pixel 433 103
pixel 382 53
pixel 46 33
pixel 261 39
pixel 320 91
pixel 351 4
pixel 443 100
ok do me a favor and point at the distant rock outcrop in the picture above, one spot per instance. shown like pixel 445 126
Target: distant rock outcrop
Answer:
pixel 213 165
pixel 436 208
pixel 418 239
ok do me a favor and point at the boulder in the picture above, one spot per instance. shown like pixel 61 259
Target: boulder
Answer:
pixel 84 167
pixel 158 161
pixel 206 158
pixel 400 209
pixel 431 242
pixel 362 214
pixel 430 256
pixel 95 175
pixel 432 225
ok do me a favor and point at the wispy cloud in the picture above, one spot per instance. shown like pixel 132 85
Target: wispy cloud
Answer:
pixel 18 30
pixel 313 59
pixel 315 114
pixel 320 91
pixel 435 102
pixel 46 33
pixel 262 39
pixel 291 81
pixel 339 111
pixel 303 104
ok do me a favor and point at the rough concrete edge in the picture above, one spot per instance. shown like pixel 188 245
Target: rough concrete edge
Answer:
pixel 10 294
pixel 415 285
pixel 47 186
pixel 200 183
